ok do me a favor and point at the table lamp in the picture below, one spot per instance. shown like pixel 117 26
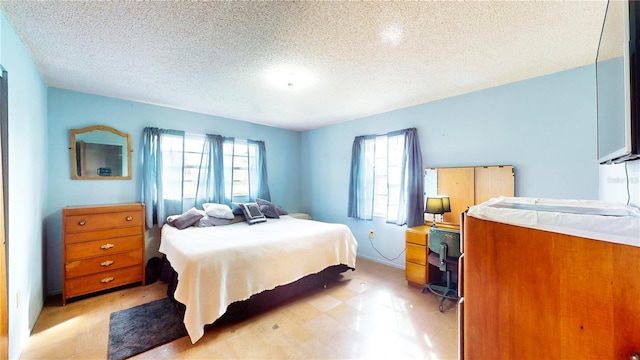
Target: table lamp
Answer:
pixel 437 205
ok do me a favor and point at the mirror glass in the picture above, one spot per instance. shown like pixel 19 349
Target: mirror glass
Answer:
pixel 100 152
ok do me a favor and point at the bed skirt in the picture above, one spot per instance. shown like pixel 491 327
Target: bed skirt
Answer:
pixel 240 310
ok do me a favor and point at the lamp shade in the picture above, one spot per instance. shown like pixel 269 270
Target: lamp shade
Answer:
pixel 446 204
pixel 434 205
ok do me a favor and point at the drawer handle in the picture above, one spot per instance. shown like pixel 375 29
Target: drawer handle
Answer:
pixel 82 223
pixel 107 263
pixel 129 218
pixel 108 279
pixel 106 246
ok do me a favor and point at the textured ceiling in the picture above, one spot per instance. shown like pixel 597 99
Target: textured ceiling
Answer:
pixel 344 60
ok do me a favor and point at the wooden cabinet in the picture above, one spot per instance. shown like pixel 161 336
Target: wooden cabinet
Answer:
pixel 103 247
pixel 533 294
pixel 417 270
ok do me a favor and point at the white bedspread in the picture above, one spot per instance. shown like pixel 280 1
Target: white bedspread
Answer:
pixel 220 265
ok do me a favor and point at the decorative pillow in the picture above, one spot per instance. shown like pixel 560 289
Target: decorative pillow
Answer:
pixel 236 209
pixel 268 209
pixel 221 211
pixel 252 213
pixel 187 219
pixel 281 210
pixel 214 221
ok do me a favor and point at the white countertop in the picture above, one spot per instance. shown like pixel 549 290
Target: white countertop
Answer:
pixel 591 219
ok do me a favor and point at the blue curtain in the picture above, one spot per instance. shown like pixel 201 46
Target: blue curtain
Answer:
pixel 163 166
pixel 414 180
pixel 260 184
pixel 405 166
pixel 211 185
pixel 361 179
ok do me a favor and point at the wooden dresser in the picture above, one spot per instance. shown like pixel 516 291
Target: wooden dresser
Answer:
pixel 534 294
pixel 103 247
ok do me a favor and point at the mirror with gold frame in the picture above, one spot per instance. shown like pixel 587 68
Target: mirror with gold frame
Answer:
pixel 100 153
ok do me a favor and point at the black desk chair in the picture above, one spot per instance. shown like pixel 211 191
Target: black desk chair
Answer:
pixel 445 251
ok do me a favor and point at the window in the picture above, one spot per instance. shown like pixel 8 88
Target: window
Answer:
pixel 193 157
pixel 182 171
pixel 240 161
pixel 387 155
pixel 238 155
pixel 172 147
pixel 396 173
pixel 386 178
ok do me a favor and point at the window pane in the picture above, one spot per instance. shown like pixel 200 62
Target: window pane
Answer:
pixel 240 162
pixel 386 153
pixel 380 205
pixel 193 156
pixel 380 189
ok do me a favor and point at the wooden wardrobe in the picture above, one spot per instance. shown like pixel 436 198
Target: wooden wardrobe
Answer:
pixel 534 294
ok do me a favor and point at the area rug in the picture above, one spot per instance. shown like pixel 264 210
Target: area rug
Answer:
pixel 138 329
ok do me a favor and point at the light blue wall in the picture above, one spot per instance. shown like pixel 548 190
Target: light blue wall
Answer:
pixel 27 166
pixel 620 183
pixel 544 127
pixel 68 110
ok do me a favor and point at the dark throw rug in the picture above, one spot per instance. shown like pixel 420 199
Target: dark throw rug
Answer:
pixel 136 330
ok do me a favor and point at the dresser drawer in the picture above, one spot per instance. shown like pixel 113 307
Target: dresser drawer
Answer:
pixel 415 273
pixel 418 238
pixel 77 251
pixel 103 263
pixel 416 254
pixel 102 281
pixel 91 222
pixel 101 234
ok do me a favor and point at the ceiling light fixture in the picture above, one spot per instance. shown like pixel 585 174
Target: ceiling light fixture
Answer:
pixel 283 77
pixel 392 35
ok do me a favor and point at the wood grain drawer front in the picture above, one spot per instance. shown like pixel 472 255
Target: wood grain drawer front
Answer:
pixel 91 222
pixel 416 273
pixel 77 251
pixel 416 237
pixel 103 263
pixel 416 254
pixel 101 234
pixel 102 281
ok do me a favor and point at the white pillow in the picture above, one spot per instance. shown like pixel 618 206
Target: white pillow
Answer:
pixel 220 211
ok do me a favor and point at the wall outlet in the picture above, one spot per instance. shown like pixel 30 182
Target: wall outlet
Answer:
pixel 372 234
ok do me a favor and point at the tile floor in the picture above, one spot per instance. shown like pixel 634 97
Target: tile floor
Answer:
pixel 369 313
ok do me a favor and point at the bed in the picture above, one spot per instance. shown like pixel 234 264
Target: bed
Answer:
pixel 219 267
